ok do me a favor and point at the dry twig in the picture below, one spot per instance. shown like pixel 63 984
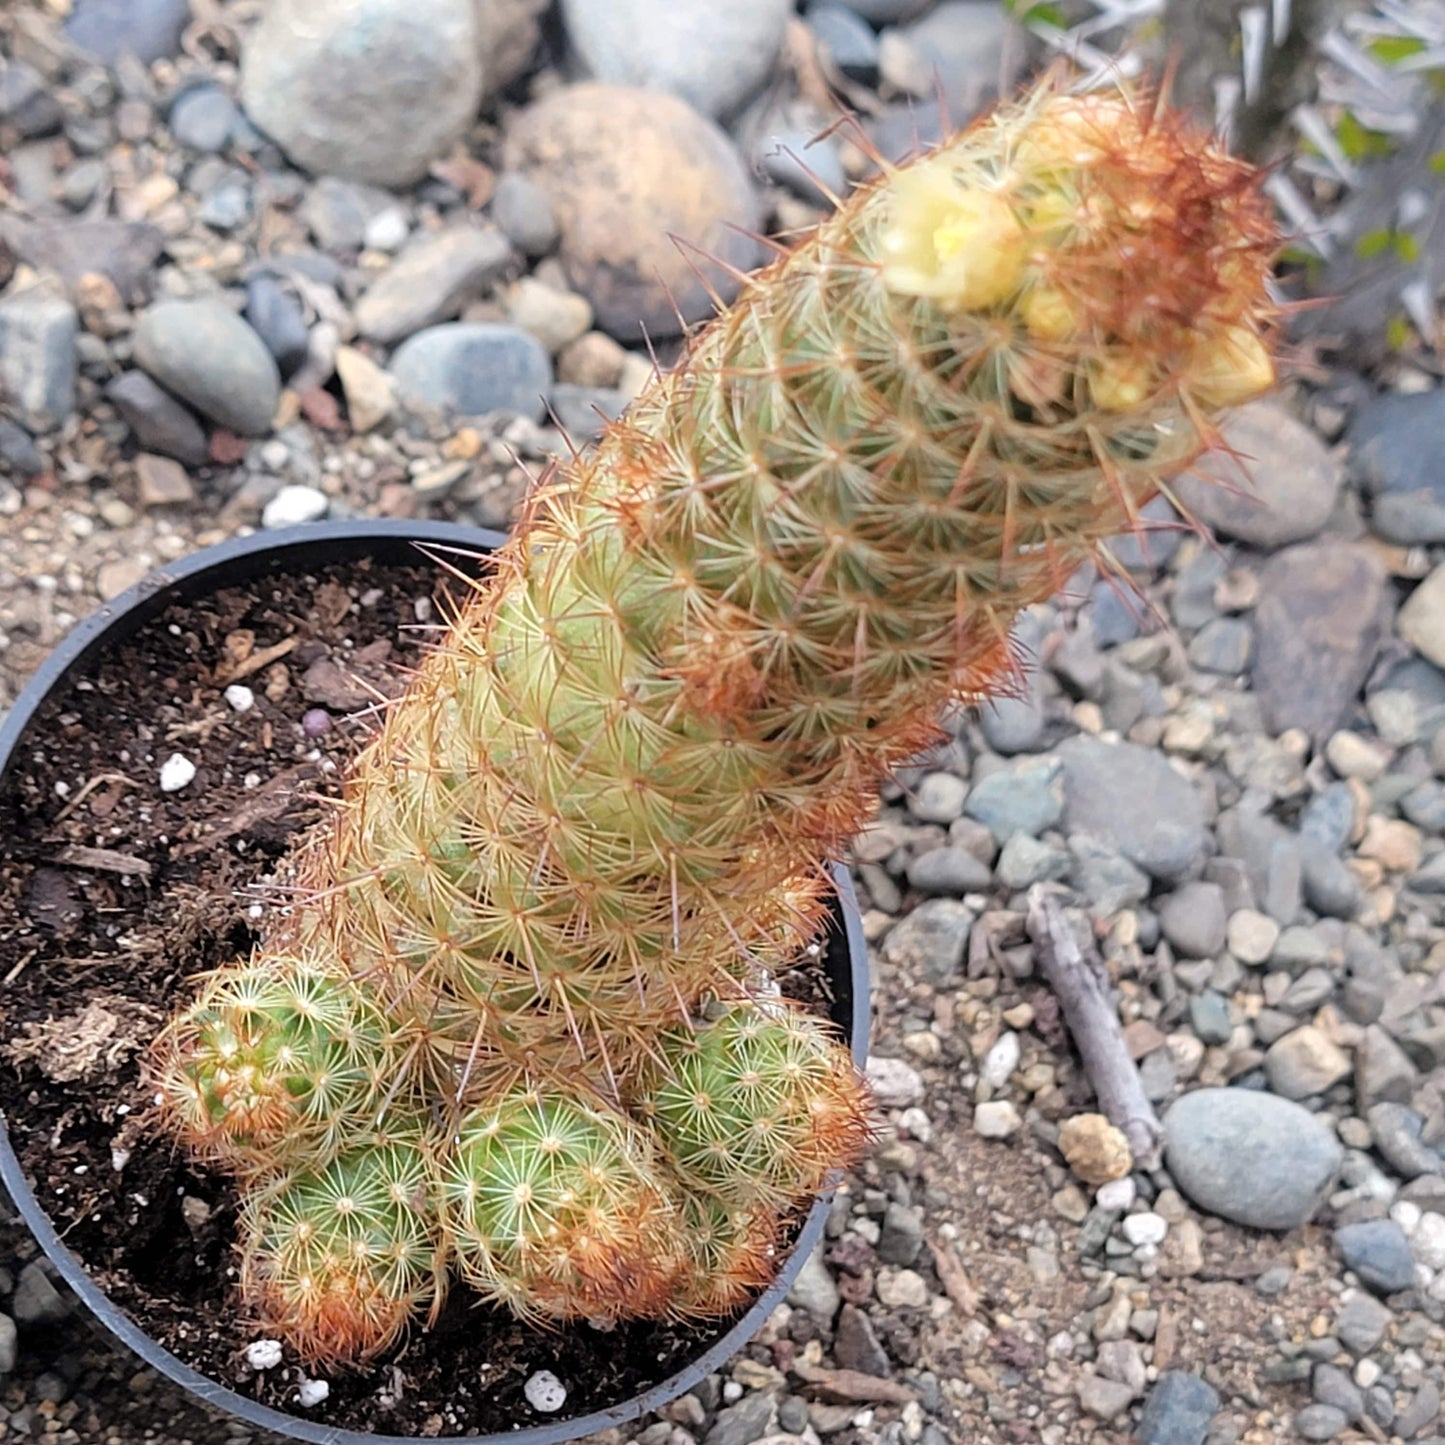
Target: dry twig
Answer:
pixel 1079 981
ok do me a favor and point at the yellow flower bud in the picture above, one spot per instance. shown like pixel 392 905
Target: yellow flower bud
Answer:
pixel 1048 315
pixel 1054 213
pixel 1121 382
pixel 960 246
pixel 1229 366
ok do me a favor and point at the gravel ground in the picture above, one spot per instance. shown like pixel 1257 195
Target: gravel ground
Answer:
pixel 1236 777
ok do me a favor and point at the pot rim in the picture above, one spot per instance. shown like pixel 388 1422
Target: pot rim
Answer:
pixel 122 616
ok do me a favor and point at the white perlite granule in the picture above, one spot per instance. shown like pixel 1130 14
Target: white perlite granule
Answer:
pixel 176 773
pixel 263 1354
pixel 545 1392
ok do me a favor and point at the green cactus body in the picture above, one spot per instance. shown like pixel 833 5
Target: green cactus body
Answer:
pixel 276 1056
pixel 599 811
pixel 559 1209
pixel 340 1257
pixel 731 1253
pixel 748 1107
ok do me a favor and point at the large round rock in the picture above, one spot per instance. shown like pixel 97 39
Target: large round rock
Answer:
pixel 627 171
pixel 373 90
pixel 1250 1157
pixel 714 56
pixel 206 355
pixel 474 369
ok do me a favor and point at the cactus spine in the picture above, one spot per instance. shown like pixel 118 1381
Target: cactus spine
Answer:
pixel 594 821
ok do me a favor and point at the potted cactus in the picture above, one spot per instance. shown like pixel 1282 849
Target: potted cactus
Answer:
pixel 520 1031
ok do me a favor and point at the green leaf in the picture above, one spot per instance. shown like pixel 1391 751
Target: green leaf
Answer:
pixel 1407 248
pixel 1036 12
pixel 1359 142
pixel 1437 163
pixel 1372 244
pixel 1398 333
pixel 1302 256
pixel 1394 48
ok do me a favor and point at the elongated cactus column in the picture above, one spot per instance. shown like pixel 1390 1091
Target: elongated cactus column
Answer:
pixel 598 814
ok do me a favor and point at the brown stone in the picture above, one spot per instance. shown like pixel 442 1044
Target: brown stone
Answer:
pixel 367 388
pixel 1392 842
pixel 1096 1151
pixel 161 482
pixel 627 171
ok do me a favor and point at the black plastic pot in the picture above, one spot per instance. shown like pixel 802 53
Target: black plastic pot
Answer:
pixel 246 561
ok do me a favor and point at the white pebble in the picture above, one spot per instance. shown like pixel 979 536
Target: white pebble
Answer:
pixel 895 1085
pixel 545 1392
pixel 1427 1240
pixel 1001 1060
pixel 1145 1229
pixel 312 1392
pixel 996 1120
pixel 917 1124
pixel 1116 1194
pixel 388 230
pixel 732 1391
pixel 1367 1372
pixel 177 772
pixel 240 697
pixel 868 1230
pixel 1406 1215
pixel 292 506
pixel 263 1354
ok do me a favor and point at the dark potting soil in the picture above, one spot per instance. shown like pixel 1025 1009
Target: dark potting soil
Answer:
pixel 114 894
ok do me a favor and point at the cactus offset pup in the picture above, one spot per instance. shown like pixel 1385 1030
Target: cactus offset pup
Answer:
pixel 520 1031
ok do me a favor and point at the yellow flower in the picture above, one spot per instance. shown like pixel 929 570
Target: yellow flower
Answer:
pixel 1229 366
pixel 962 247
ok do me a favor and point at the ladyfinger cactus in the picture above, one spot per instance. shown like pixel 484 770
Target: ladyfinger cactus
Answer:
pixel 731 1254
pixel 274 1060
pixel 559 1209
pixel 340 1257
pixel 595 822
pixel 751 1108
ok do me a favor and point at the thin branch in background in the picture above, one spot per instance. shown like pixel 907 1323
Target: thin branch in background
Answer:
pixel 1077 976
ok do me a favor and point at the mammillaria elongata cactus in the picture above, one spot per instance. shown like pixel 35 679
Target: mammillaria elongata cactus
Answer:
pixel 519 1029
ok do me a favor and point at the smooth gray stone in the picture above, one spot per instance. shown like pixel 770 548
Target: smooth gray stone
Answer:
pixel 1251 1157
pixel 475 369
pixel 206 355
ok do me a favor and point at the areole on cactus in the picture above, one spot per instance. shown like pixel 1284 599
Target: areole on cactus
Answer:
pixel 519 1028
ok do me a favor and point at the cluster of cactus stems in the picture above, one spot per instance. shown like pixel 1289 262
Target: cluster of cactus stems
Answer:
pixel 519 1028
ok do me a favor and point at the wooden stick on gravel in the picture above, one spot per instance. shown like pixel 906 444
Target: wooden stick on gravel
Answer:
pixel 1081 984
